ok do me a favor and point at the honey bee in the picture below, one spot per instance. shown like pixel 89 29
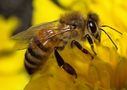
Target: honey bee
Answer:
pixel 44 39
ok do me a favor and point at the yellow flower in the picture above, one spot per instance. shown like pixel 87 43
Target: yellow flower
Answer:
pixel 107 71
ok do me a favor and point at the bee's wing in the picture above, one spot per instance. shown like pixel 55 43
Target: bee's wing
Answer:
pixel 24 38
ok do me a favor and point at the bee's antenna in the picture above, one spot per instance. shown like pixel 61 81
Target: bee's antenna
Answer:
pixel 109 38
pixel 112 28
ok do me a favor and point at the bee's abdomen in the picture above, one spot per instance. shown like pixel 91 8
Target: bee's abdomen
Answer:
pixel 36 55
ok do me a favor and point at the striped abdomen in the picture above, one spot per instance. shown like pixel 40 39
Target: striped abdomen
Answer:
pixel 36 54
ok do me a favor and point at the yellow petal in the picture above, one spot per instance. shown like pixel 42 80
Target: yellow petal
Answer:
pixel 120 75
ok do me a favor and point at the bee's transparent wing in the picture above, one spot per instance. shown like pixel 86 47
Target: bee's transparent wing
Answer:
pixel 24 38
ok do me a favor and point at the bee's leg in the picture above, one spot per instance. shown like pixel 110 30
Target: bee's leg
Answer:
pixel 60 48
pixel 62 45
pixel 67 67
pixel 91 44
pixel 78 45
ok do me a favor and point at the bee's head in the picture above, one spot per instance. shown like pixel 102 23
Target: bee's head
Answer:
pixel 92 26
pixel 94 29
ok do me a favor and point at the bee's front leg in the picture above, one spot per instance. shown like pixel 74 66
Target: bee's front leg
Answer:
pixel 67 67
pixel 91 43
pixel 78 45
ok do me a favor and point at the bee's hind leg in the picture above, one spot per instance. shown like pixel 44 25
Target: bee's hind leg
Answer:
pixel 78 45
pixel 67 67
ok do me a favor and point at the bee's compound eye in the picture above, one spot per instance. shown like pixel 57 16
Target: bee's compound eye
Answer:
pixel 92 26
